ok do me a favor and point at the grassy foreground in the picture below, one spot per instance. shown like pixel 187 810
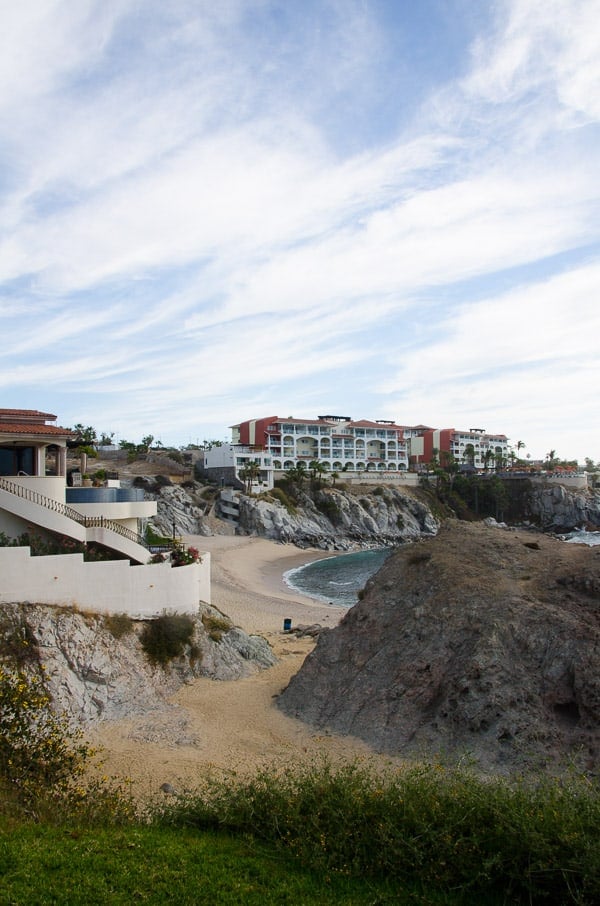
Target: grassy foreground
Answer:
pixel 316 834
pixel 319 835
pixel 41 865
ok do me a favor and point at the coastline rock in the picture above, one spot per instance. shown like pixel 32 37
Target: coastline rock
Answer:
pixel 339 520
pixel 482 642
pixel 558 509
pixel 92 675
pixel 179 509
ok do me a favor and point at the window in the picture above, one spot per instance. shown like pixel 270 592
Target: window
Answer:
pixel 17 459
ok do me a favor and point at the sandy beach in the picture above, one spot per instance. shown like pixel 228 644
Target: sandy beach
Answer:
pixel 235 725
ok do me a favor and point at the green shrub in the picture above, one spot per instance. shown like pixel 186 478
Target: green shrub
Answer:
pixel 166 637
pixel 118 624
pixel 216 626
pixel 443 829
pixel 156 540
pixel 329 507
pixel 280 495
pixel 18 644
pixel 38 750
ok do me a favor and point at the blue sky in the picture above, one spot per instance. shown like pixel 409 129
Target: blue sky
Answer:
pixel 218 211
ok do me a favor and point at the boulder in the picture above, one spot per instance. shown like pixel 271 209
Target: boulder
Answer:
pixel 483 642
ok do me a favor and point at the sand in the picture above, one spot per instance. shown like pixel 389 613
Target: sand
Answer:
pixel 234 726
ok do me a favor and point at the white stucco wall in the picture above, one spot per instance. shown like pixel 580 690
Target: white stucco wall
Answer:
pixel 32 515
pixel 49 486
pixel 107 587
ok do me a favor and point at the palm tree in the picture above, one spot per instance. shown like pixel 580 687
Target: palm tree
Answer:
pixel 297 474
pixel 318 469
pixel 469 455
pixel 249 473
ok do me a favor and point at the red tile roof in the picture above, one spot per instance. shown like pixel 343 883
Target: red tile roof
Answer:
pixel 365 423
pixel 29 414
pixel 7 428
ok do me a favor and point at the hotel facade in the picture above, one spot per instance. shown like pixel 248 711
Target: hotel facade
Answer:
pixel 341 444
pixel 336 442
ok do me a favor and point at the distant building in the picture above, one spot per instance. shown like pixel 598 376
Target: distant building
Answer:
pixel 228 464
pixel 473 448
pixel 341 444
pixel 335 441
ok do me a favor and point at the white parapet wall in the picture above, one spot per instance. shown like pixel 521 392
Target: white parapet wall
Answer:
pixel 108 586
pixel 575 481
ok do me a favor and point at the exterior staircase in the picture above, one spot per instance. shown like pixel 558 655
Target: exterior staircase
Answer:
pixel 58 517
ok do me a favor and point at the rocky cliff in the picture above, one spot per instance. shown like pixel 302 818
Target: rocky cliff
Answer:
pixel 558 509
pixel 482 642
pixel 96 669
pixel 338 520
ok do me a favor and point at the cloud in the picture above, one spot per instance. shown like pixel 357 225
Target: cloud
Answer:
pixel 203 212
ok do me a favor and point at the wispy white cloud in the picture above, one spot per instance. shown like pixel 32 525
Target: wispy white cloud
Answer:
pixel 199 215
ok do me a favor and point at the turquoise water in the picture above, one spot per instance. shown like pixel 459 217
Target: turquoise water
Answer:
pixel 337 580
pixel 589 538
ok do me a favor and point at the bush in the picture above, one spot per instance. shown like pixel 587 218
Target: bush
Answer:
pixel 280 495
pixel 216 626
pixel 38 750
pixel 181 556
pixel 156 540
pixel 166 637
pixel 118 624
pixel 328 506
pixel 18 644
pixel 442 829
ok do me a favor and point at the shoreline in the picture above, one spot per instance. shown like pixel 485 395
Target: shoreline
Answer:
pixel 254 568
pixel 235 725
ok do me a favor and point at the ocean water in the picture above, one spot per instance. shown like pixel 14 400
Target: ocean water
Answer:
pixel 589 538
pixel 337 580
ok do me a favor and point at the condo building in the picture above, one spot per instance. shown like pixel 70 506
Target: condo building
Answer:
pixel 473 448
pixel 335 441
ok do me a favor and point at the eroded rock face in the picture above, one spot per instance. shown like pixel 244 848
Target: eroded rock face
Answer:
pixel 338 520
pixel 178 507
pixel 482 642
pixel 93 676
pixel 559 509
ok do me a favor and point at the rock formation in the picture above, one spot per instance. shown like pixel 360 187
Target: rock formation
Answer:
pixel 338 520
pixel 482 642
pixel 559 509
pixel 93 675
pixel 179 508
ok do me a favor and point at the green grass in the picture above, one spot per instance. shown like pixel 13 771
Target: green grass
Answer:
pixel 314 834
pixel 40 866
pixel 442 829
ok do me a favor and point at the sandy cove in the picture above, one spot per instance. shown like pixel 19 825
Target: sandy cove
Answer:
pixel 234 725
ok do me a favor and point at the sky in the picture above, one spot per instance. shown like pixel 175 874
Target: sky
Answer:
pixel 388 209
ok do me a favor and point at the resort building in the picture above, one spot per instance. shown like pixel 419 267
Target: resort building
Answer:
pixel 239 465
pixel 337 442
pixel 35 500
pixel 341 444
pixel 471 449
